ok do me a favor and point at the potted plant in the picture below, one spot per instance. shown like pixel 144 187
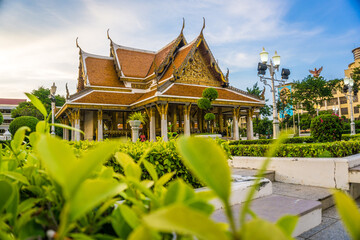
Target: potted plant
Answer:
pixel 135 119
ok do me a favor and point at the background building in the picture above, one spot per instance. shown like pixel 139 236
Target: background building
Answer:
pixel 6 105
pixel 338 101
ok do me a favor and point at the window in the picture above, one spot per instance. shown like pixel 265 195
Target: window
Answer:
pixel 5 110
pixel 332 102
pixel 355 99
pixel 356 110
pixel 343 100
pixel 344 111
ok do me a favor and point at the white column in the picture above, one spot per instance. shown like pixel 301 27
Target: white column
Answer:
pixel 339 106
pixel 164 131
pixel 100 127
pixel 249 125
pixel 235 124
pixel 152 124
pixel 72 131
pixel 162 109
pixel 89 125
pixel 65 134
pixel 187 120
pixel 77 125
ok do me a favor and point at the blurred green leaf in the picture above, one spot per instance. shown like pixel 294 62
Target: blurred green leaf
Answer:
pixel 164 179
pixel 348 212
pixel 91 193
pixel 208 162
pixel 178 192
pixel 38 104
pixel 16 176
pixel 19 138
pixel 181 219
pixel 151 170
pixel 130 217
pixel 59 160
pixel 287 224
pixel 258 229
pixel 120 226
pixel 6 190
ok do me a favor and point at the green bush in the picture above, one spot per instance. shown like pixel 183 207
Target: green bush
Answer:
pixel 333 149
pixel 269 141
pixel 210 93
pixel 162 154
pixel 1 118
pixel 209 117
pixel 23 121
pixel 204 103
pixel 326 128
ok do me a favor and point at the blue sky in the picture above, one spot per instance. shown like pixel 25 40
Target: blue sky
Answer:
pixel 37 37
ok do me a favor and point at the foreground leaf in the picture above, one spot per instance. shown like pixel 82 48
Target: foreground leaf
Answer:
pixel 349 213
pixel 208 161
pixel 183 220
pixel 91 193
pixel 258 229
pixel 6 191
pixel 287 224
pixel 38 104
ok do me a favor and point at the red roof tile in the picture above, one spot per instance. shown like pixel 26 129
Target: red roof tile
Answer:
pixel 196 91
pixel 11 101
pixel 101 72
pixel 135 63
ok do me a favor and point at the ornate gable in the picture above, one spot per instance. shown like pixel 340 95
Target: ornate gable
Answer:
pixel 197 72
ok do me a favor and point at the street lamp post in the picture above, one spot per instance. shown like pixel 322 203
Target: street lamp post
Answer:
pixel 335 109
pixel 52 97
pixel 272 66
pixel 348 90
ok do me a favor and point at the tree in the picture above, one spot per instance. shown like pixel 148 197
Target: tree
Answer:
pixel 311 91
pixel 28 109
pixel 263 126
pixel 204 103
pixel 1 118
pixel 255 90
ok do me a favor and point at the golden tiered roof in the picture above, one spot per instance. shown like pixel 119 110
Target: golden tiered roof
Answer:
pixel 131 78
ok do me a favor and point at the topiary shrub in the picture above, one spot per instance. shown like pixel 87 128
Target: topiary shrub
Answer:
pixel 209 117
pixel 204 103
pixel 23 121
pixel 210 93
pixel 326 128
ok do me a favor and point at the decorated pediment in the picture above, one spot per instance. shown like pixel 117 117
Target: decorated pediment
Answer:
pixel 197 72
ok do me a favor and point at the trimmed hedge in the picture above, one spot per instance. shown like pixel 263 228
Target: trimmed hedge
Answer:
pixel 162 154
pixel 23 121
pixel 269 141
pixel 333 149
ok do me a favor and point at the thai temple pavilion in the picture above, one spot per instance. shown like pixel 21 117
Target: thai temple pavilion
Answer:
pixel 164 84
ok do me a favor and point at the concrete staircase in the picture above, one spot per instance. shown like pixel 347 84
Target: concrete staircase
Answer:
pixel 307 202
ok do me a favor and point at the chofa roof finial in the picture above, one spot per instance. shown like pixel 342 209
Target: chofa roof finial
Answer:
pixel 202 29
pixel 183 26
pixel 108 35
pixel 77 44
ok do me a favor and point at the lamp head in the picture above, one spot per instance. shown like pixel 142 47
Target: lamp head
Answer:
pixel 264 56
pixel 276 59
pixel 53 89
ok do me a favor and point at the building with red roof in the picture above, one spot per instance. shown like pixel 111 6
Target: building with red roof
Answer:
pixel 165 84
